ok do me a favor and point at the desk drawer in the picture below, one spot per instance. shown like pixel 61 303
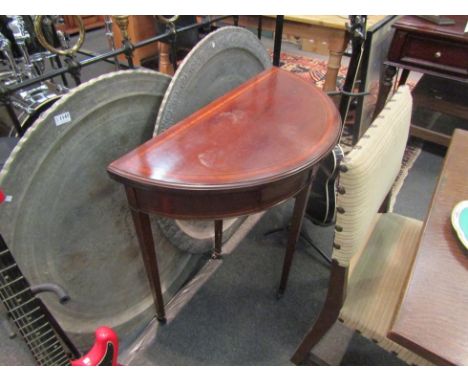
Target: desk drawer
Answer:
pixel 432 53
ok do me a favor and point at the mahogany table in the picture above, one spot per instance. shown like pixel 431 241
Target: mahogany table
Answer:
pixel 437 50
pixel 432 319
pixel 245 152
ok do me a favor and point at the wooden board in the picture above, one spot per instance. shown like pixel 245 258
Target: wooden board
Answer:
pixel 432 317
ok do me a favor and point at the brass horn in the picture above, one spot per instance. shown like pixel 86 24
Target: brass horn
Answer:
pixel 122 22
pixel 61 52
pixel 166 20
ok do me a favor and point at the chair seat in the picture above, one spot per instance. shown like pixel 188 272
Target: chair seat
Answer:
pixel 377 281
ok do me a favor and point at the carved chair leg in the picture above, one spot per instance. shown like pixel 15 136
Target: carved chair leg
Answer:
pixel 328 315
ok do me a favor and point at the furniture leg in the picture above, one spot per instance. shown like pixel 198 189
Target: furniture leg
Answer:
pixel 296 223
pixel 145 238
pixel 328 315
pixel 325 321
pixel 337 48
pixel 404 76
pixel 218 239
pixel 164 61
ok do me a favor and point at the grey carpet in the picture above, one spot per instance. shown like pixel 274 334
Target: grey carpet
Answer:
pixel 235 318
pixel 415 196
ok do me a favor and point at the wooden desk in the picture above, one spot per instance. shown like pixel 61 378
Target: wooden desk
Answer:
pixel 328 31
pixel 422 46
pixel 432 320
pixel 243 153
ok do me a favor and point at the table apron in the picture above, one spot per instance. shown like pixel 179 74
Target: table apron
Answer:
pixel 211 204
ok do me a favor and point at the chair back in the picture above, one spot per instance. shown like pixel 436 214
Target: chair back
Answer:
pixel 368 173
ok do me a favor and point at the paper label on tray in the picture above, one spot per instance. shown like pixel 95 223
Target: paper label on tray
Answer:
pixel 62 118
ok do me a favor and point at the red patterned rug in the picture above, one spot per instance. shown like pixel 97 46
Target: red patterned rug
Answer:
pixel 313 70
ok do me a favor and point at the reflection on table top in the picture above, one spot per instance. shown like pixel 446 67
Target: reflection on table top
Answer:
pixel 269 128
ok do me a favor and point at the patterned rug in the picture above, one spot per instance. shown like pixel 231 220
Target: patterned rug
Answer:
pixel 313 70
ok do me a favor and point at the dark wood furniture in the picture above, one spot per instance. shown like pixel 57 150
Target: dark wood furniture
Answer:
pixel 89 21
pixel 245 152
pixel 432 319
pixel 436 50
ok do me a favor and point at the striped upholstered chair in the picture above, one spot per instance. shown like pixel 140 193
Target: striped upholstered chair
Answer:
pixel 373 252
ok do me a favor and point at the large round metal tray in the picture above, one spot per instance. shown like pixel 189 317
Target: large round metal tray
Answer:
pixel 220 62
pixel 69 223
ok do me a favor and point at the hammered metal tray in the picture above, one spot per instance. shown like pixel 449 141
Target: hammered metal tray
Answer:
pixel 67 222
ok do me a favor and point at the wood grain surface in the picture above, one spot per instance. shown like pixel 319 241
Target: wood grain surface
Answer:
pixel 455 31
pixel 271 127
pixel 430 48
pixel 432 320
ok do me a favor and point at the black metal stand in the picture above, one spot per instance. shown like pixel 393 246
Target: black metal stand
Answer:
pixel 259 29
pixel 63 298
pixel 278 39
pixel 127 50
pixel 302 236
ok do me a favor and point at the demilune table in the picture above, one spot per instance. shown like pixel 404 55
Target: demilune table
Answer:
pixel 245 152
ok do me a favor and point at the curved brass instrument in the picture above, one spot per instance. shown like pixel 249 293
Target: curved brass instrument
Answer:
pixel 62 52
pixel 122 23
pixel 166 20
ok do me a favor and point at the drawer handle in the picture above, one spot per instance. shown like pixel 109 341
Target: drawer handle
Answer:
pixel 438 55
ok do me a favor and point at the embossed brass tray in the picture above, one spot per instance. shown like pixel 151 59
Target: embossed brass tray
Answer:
pixel 67 222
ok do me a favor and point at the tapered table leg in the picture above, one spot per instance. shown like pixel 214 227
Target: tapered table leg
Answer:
pixel 145 239
pixel 218 239
pixel 296 223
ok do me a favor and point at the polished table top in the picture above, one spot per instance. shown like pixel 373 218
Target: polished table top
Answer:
pixel 331 21
pixel 433 316
pixel 454 32
pixel 271 127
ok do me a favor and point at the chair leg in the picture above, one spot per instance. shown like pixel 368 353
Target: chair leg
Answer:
pixel 328 315
pixel 325 321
